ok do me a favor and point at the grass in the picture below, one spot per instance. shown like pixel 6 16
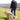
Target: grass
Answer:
pixel 3 15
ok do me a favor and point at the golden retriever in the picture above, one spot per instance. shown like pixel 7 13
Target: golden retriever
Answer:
pixel 9 15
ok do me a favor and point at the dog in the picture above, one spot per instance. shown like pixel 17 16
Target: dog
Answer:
pixel 9 15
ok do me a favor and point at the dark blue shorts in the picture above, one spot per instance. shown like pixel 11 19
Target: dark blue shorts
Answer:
pixel 12 9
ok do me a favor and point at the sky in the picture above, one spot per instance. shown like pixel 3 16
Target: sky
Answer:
pixel 7 1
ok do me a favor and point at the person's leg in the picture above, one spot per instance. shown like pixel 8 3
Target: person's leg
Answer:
pixel 11 10
pixel 14 12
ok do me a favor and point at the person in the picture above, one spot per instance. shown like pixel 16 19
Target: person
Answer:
pixel 13 6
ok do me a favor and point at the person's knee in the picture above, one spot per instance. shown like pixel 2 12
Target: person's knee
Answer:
pixel 11 10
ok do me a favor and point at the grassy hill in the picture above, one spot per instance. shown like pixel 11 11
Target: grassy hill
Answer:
pixel 3 15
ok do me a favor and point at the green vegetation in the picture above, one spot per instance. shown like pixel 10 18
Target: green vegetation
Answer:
pixel 3 15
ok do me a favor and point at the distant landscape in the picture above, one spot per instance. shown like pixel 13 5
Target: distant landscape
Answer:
pixel 8 5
